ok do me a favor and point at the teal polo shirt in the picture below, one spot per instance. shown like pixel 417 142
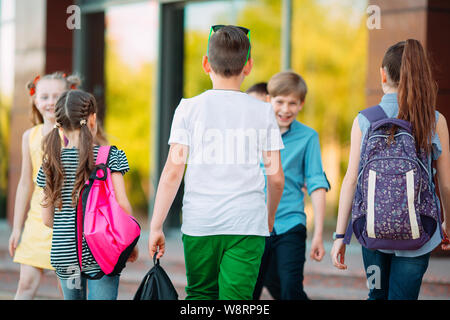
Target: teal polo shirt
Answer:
pixel 302 163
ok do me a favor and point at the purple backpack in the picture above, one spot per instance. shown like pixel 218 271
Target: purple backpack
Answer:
pixel 394 207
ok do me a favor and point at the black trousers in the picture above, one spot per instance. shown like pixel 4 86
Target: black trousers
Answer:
pixel 281 270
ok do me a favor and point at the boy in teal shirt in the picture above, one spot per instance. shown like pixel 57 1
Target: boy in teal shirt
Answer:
pixel 284 256
pixel 225 215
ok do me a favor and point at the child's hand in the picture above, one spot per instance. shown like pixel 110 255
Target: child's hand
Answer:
pixel 13 241
pixel 134 254
pixel 317 249
pixel 156 243
pixel 271 223
pixel 445 245
pixel 338 254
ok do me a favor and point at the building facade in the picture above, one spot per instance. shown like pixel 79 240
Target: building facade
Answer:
pixel 48 37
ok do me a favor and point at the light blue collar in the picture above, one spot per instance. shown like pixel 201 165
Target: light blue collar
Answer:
pixel 389 98
pixel 293 127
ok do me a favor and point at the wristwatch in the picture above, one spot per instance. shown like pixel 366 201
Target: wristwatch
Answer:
pixel 338 236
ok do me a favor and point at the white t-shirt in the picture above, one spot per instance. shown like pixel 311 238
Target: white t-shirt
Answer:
pixel 226 132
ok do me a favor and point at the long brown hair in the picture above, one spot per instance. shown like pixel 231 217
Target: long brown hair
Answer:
pixel 409 68
pixel 71 82
pixel 71 111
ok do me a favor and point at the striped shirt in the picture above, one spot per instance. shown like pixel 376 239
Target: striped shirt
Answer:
pixel 63 255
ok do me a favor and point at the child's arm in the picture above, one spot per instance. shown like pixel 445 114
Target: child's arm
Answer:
pixel 443 174
pixel 317 185
pixel 318 203
pixel 47 215
pixel 169 183
pixel 120 192
pixel 124 203
pixel 23 194
pixel 275 183
pixel 346 196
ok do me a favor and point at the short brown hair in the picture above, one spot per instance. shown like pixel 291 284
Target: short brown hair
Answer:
pixel 286 83
pixel 259 88
pixel 227 51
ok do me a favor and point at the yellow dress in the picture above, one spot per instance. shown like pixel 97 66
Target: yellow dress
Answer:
pixel 36 242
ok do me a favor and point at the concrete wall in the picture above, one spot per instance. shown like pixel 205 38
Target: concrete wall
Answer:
pixel 43 44
pixel 425 20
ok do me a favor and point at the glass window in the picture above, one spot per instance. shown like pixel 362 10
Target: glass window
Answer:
pixel 130 57
pixel 7 38
pixel 263 18
pixel 329 50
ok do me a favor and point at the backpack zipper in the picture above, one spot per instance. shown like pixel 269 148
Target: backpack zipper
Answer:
pixel 387 136
pixel 400 134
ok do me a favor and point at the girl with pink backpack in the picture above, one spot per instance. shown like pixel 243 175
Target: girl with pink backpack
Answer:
pixel 64 173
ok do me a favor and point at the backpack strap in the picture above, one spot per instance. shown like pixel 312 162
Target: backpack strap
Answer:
pixel 374 114
pixel 103 155
pixel 348 232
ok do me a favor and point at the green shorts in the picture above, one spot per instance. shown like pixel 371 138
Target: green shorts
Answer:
pixel 223 267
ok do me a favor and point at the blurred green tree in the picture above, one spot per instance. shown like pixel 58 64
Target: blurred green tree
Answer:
pixel 329 50
pixel 4 138
pixel 329 45
pixel 128 121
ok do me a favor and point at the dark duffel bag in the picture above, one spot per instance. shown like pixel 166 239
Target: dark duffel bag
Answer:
pixel 156 285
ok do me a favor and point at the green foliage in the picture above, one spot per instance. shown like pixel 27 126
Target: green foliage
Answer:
pixel 329 50
pixel 4 146
pixel 195 79
pixel 128 121
pixel 263 18
pixel 331 55
pixel 4 142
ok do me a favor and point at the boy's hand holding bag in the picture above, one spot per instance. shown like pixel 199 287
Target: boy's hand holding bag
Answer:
pixel 156 285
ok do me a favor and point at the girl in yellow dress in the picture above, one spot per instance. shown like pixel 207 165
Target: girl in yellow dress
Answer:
pixel 33 251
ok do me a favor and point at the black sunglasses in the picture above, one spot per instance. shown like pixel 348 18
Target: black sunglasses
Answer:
pixel 217 27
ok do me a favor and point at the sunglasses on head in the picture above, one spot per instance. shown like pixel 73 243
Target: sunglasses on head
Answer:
pixel 217 27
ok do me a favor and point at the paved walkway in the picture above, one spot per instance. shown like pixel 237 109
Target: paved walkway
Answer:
pixel 322 280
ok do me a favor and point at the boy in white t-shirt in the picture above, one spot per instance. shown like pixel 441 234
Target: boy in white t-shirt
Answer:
pixel 222 134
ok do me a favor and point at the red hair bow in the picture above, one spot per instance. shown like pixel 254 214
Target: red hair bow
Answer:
pixel 33 88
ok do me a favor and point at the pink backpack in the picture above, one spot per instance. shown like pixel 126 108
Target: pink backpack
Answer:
pixel 109 231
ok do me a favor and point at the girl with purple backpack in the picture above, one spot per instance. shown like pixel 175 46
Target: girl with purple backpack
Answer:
pixel 407 113
pixel 63 173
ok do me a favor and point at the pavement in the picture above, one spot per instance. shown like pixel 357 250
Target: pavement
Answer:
pixel 322 281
